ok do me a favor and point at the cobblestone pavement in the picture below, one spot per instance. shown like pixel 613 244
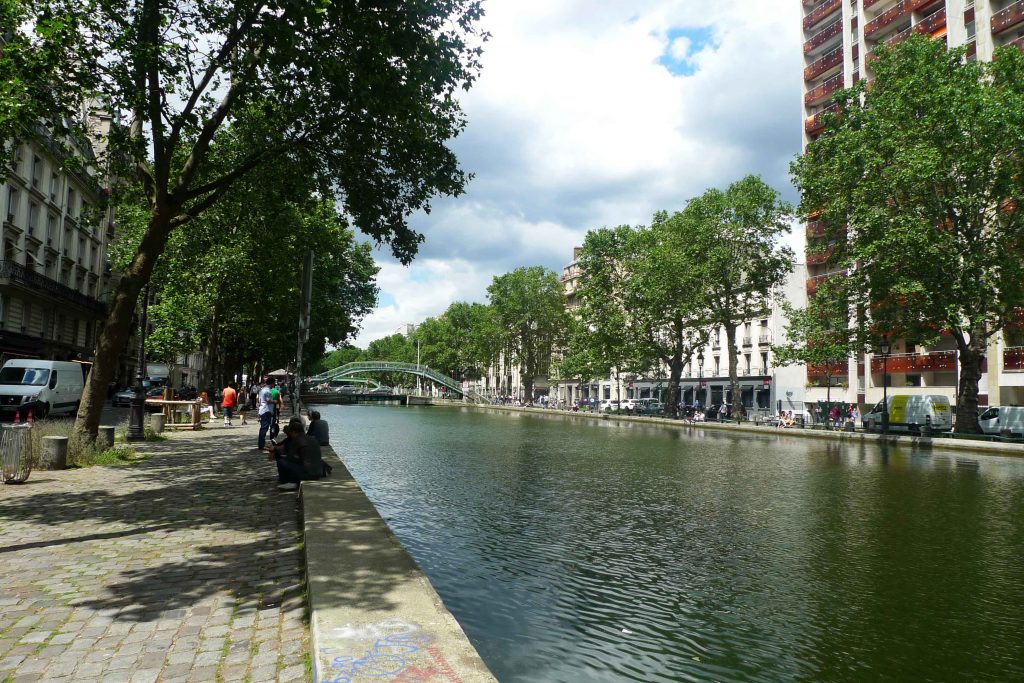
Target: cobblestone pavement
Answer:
pixel 184 567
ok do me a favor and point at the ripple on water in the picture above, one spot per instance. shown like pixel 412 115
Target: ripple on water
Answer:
pixel 575 552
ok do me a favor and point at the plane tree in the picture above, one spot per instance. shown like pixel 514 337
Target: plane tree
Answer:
pixel 362 94
pixel 734 241
pixel 528 314
pixel 919 183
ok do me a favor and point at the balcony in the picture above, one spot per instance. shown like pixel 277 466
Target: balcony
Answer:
pixel 829 60
pixel 900 10
pixel 1013 359
pixel 1008 18
pixel 815 123
pixel 935 361
pixel 813 282
pixel 934 26
pixel 823 36
pixel 748 340
pixel 820 12
pixel 764 340
pixel 823 90
pixel 1019 43
pixel 17 273
pixel 820 256
pixel 840 369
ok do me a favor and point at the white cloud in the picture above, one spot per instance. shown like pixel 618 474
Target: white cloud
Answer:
pixel 576 124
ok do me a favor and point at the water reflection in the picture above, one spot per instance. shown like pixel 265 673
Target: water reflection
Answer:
pixel 573 550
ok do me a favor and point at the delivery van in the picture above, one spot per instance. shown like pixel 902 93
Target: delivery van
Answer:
pixel 996 419
pixel 46 387
pixel 909 413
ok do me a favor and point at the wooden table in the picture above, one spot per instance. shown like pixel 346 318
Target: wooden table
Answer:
pixel 171 409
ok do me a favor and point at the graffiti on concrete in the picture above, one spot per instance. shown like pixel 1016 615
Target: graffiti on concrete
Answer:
pixel 390 651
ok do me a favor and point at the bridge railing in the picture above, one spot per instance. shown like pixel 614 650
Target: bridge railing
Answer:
pixel 390 366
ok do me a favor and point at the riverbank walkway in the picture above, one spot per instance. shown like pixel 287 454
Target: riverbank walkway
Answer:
pixel 187 566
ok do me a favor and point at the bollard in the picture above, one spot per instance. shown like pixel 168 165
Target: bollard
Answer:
pixel 849 426
pixel 156 421
pixel 105 437
pixel 55 453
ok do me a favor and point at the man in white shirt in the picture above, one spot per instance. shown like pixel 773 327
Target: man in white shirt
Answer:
pixel 266 411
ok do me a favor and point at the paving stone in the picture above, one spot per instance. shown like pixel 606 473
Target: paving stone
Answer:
pixel 182 560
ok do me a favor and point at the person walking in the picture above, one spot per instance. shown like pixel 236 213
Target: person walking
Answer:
pixel 265 411
pixel 243 403
pixel 228 402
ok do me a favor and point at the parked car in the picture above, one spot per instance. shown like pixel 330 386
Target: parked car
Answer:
pixel 608 405
pixel 629 404
pixel 650 406
pixel 996 419
pixel 908 413
pixel 122 398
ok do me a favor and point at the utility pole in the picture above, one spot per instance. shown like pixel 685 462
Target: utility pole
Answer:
pixel 305 303
pixel 419 390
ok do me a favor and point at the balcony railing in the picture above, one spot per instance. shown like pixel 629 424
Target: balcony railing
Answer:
pixel 748 341
pixel 1013 359
pixel 820 256
pixel 816 122
pixel 824 89
pixel 823 36
pixel 840 369
pixel 820 12
pixel 1008 18
pixel 813 282
pixel 933 24
pixel 899 11
pixel 22 275
pixel 935 361
pixel 829 60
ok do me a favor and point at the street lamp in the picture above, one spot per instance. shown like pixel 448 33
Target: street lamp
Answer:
pixel 885 348
pixel 700 375
pixel 136 418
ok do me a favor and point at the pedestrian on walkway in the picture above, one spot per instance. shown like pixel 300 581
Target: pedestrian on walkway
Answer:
pixel 243 404
pixel 265 411
pixel 228 401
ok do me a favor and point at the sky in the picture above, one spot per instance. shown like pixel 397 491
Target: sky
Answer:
pixel 598 113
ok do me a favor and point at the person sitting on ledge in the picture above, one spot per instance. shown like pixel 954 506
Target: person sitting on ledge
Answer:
pixel 318 428
pixel 298 457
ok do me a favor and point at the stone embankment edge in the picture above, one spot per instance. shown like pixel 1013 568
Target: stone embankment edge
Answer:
pixel 941 443
pixel 372 610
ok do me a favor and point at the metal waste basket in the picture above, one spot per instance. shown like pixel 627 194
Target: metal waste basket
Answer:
pixel 16 452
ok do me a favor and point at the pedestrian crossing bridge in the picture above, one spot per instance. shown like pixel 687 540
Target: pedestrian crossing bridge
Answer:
pixel 360 368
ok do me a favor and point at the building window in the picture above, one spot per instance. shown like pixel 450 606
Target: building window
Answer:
pixel 12 204
pixel 718 367
pixel 37 172
pixel 33 219
pixel 54 186
pixel 971 30
pixel 51 229
pixel 913 380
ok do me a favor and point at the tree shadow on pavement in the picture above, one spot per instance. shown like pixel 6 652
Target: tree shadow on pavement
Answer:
pixel 203 515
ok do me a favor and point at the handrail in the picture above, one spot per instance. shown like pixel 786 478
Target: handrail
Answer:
pixel 391 366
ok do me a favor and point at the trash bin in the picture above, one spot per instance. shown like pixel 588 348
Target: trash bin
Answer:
pixel 16 452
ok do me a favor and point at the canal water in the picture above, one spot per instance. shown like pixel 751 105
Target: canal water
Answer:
pixel 582 551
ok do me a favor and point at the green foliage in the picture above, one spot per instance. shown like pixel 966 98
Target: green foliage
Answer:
pixel 918 183
pixel 335 359
pixel 528 319
pixel 735 246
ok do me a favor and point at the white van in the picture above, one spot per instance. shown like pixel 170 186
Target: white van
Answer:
pixel 46 387
pixel 997 418
pixel 908 413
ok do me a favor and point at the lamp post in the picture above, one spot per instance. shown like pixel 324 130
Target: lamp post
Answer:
pixel 700 375
pixel 885 348
pixel 136 419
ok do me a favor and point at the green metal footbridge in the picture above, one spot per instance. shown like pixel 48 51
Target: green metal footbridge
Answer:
pixel 368 367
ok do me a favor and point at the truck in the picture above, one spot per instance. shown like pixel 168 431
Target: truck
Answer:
pixel 910 413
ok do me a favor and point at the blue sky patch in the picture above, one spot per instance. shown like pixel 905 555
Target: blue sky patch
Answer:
pixel 683 44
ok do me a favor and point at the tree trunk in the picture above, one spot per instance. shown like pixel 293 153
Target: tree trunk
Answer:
pixel 675 372
pixel 734 381
pixel 970 374
pixel 117 326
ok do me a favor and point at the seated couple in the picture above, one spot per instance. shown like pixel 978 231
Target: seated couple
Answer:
pixel 298 457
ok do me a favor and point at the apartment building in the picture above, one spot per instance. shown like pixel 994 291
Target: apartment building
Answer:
pixel 54 272
pixel 839 36
pixel 764 384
